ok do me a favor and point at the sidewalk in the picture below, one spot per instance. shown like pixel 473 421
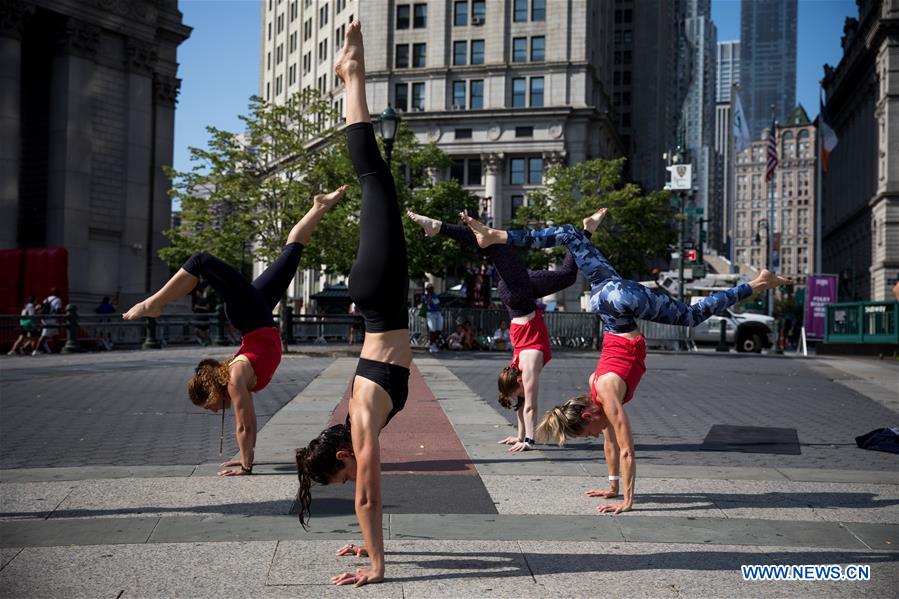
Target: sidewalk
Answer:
pixel 463 517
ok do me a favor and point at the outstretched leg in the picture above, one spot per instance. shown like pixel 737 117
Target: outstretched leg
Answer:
pixel 273 281
pixel 588 258
pixel 378 281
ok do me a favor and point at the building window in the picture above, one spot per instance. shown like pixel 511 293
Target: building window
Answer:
pixel 476 94
pixel 538 10
pixel 418 55
pixel 420 16
pixel 402 16
pixel 517 202
pixel 402 56
pixel 474 171
pixel 520 11
pixel 477 51
pixel 458 95
pixel 519 92
pixel 457 171
pixel 478 12
pixel 524 131
pixel 519 49
pixel 401 96
pixel 463 134
pixel 516 171
pixel 535 171
pixel 418 96
pixel 536 91
pixel 460 13
pixel 460 53
pixel 538 47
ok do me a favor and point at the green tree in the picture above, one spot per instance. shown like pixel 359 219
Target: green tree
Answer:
pixel 237 199
pixel 638 227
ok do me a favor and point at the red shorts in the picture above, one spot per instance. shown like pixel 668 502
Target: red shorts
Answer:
pixel 531 335
pixel 626 358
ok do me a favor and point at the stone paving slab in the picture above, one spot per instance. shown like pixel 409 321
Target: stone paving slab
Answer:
pixel 150 497
pixel 93 531
pixel 431 569
pixel 834 502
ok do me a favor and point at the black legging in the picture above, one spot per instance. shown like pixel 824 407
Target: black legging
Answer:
pixel 378 282
pixel 248 305
pixel 518 288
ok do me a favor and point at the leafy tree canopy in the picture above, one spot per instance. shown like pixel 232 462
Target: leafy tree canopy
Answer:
pixel 638 227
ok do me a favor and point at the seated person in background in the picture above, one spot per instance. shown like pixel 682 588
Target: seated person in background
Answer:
pixel 500 339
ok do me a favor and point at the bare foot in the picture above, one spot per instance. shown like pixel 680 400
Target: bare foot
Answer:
pixel 484 234
pixel 351 61
pixel 592 222
pixel 431 226
pixel 326 200
pixel 769 280
pixel 142 310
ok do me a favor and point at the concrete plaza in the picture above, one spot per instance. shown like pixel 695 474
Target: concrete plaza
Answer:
pixel 108 485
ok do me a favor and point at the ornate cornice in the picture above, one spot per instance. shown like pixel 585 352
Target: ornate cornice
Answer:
pixel 78 38
pixel 165 89
pixel 141 57
pixel 13 16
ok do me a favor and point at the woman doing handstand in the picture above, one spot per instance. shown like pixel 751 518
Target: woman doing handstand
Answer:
pixel 519 289
pixel 379 284
pixel 216 385
pixel 619 303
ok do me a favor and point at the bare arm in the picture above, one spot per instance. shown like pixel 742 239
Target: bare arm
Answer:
pixel 621 429
pixel 611 450
pixel 244 416
pixel 531 364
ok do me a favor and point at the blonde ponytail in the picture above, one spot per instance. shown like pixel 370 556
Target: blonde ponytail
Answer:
pixel 562 422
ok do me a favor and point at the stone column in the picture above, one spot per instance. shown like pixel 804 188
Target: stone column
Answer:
pixel 166 88
pixel 492 164
pixel 12 20
pixel 69 164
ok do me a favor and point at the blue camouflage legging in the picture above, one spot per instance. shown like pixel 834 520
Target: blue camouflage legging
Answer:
pixel 620 302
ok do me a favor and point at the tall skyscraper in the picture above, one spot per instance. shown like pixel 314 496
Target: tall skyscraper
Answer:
pixel 505 88
pixel 767 61
pixel 727 67
pixel 695 124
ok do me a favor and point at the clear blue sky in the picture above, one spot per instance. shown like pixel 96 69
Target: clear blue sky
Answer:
pixel 220 61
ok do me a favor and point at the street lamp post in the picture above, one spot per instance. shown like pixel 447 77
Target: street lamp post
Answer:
pixel 389 124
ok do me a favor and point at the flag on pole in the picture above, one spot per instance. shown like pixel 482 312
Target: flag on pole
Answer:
pixel 742 140
pixel 772 153
pixel 827 134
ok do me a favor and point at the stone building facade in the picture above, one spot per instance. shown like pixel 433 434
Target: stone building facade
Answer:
pixel 860 195
pixel 505 88
pixel 87 105
pixel 791 223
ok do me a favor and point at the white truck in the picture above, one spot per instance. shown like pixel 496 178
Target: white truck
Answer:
pixel 747 331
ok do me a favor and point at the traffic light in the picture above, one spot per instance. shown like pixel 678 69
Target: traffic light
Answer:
pixel 691 255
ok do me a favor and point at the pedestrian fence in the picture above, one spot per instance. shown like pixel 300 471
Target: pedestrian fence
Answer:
pixel 80 332
pixel 577 330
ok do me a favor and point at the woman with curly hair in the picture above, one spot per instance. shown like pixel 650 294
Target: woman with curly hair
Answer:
pixel 619 303
pixel 518 289
pixel 248 306
pixel 379 285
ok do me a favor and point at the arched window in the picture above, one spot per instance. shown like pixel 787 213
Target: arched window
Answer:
pixel 787 147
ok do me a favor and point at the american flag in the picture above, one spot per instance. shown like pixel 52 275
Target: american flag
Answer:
pixel 772 153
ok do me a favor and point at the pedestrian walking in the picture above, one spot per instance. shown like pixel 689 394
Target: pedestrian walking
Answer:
pixel 26 340
pixel 619 303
